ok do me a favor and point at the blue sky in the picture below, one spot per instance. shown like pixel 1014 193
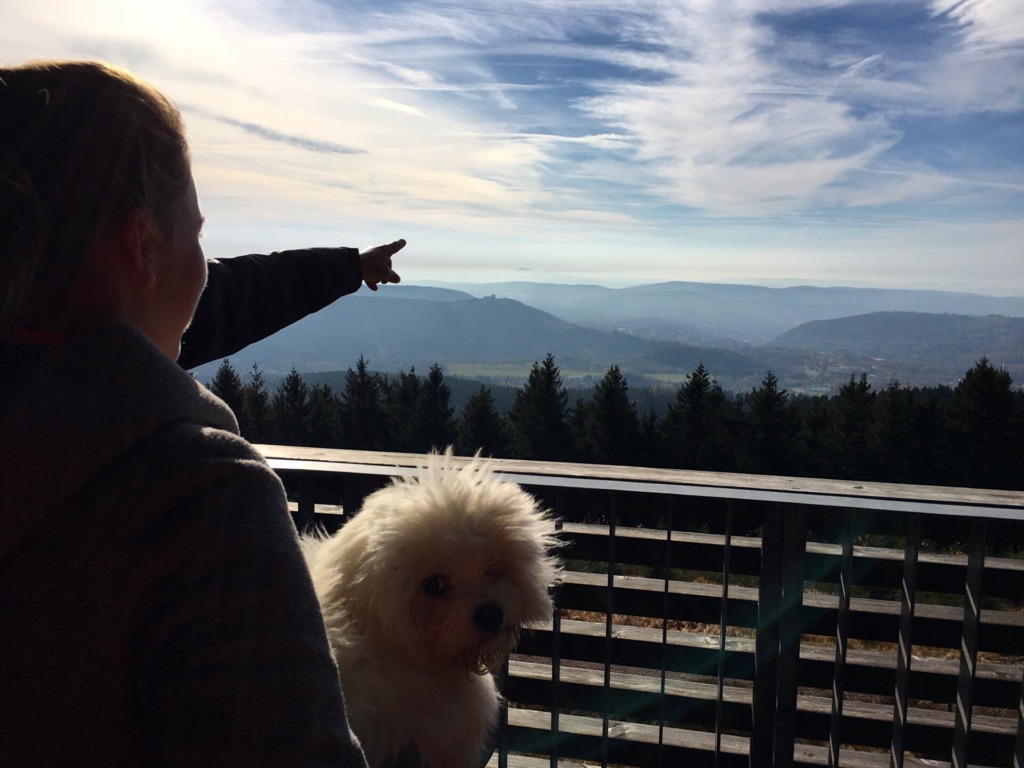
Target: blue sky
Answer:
pixel 626 142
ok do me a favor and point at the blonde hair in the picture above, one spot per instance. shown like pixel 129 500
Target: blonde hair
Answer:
pixel 82 145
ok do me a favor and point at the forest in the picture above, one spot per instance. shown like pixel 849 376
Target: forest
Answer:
pixel 969 435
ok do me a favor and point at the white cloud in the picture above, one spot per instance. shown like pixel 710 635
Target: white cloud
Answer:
pixel 397 107
pixel 986 23
pixel 728 130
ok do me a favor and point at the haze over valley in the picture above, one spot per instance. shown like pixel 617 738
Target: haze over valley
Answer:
pixel 813 338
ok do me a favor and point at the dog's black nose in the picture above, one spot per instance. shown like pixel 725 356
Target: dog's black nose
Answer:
pixel 489 617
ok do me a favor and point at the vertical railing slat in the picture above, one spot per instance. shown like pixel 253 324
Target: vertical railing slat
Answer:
pixel 790 626
pixel 970 637
pixel 609 615
pixel 664 630
pixel 766 643
pixel 307 504
pixel 1018 750
pixel 842 640
pixel 908 601
pixel 556 653
pixel 723 624
pixel 503 722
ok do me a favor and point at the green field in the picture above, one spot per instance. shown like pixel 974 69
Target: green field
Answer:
pixel 520 371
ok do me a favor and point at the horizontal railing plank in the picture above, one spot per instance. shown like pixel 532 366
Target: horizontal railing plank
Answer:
pixel 693 653
pixel 580 737
pixel 871 620
pixel 792 490
pixel 877 567
pixel 678 700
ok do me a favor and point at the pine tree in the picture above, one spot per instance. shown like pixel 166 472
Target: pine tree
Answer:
pixel 930 456
pixel 576 420
pixel 984 426
pixel 481 427
pixel 324 417
pixel 255 413
pixel 852 424
pixel 539 415
pixel 772 429
pixel 436 422
pixel 894 435
pixel 650 441
pixel 610 426
pixel 363 419
pixel 819 454
pixel 697 427
pixel 402 402
pixel 227 385
pixel 291 410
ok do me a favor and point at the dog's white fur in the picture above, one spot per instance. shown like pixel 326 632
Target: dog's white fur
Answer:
pixel 424 593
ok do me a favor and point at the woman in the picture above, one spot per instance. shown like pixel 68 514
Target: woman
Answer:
pixel 154 606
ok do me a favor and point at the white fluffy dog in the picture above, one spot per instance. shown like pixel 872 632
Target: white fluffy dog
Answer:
pixel 424 593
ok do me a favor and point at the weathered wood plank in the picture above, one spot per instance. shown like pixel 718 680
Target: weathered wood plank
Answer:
pixel 680 746
pixel 828 493
pixel 872 566
pixel 997 684
pixel 818 704
pixel 866 723
pixel 870 619
pixel 526 761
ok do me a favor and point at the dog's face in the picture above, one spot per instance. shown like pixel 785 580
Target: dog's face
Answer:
pixel 450 567
pixel 469 597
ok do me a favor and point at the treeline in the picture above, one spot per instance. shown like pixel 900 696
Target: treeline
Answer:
pixel 970 435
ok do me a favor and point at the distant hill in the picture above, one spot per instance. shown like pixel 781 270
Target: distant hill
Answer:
pixel 958 341
pixel 714 313
pixel 398 333
pixel 897 331
pixel 425 292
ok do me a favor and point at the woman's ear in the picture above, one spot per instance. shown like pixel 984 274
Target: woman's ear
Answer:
pixel 136 243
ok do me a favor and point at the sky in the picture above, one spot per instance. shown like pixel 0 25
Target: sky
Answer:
pixel 592 141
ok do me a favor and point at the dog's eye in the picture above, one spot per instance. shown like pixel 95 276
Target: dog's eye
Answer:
pixel 435 586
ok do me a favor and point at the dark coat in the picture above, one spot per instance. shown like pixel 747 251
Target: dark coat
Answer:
pixel 154 606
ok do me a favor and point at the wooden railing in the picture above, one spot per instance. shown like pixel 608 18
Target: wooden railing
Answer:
pixel 733 620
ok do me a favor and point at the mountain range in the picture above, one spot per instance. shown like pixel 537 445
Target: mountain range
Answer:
pixel 812 338
pixel 709 312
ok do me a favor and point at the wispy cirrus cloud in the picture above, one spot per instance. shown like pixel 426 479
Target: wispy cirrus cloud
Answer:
pixel 269 134
pixel 984 24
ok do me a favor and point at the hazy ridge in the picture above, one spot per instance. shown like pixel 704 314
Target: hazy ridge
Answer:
pixel 811 337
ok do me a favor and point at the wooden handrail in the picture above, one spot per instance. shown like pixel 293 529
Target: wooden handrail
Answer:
pixel 844 494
